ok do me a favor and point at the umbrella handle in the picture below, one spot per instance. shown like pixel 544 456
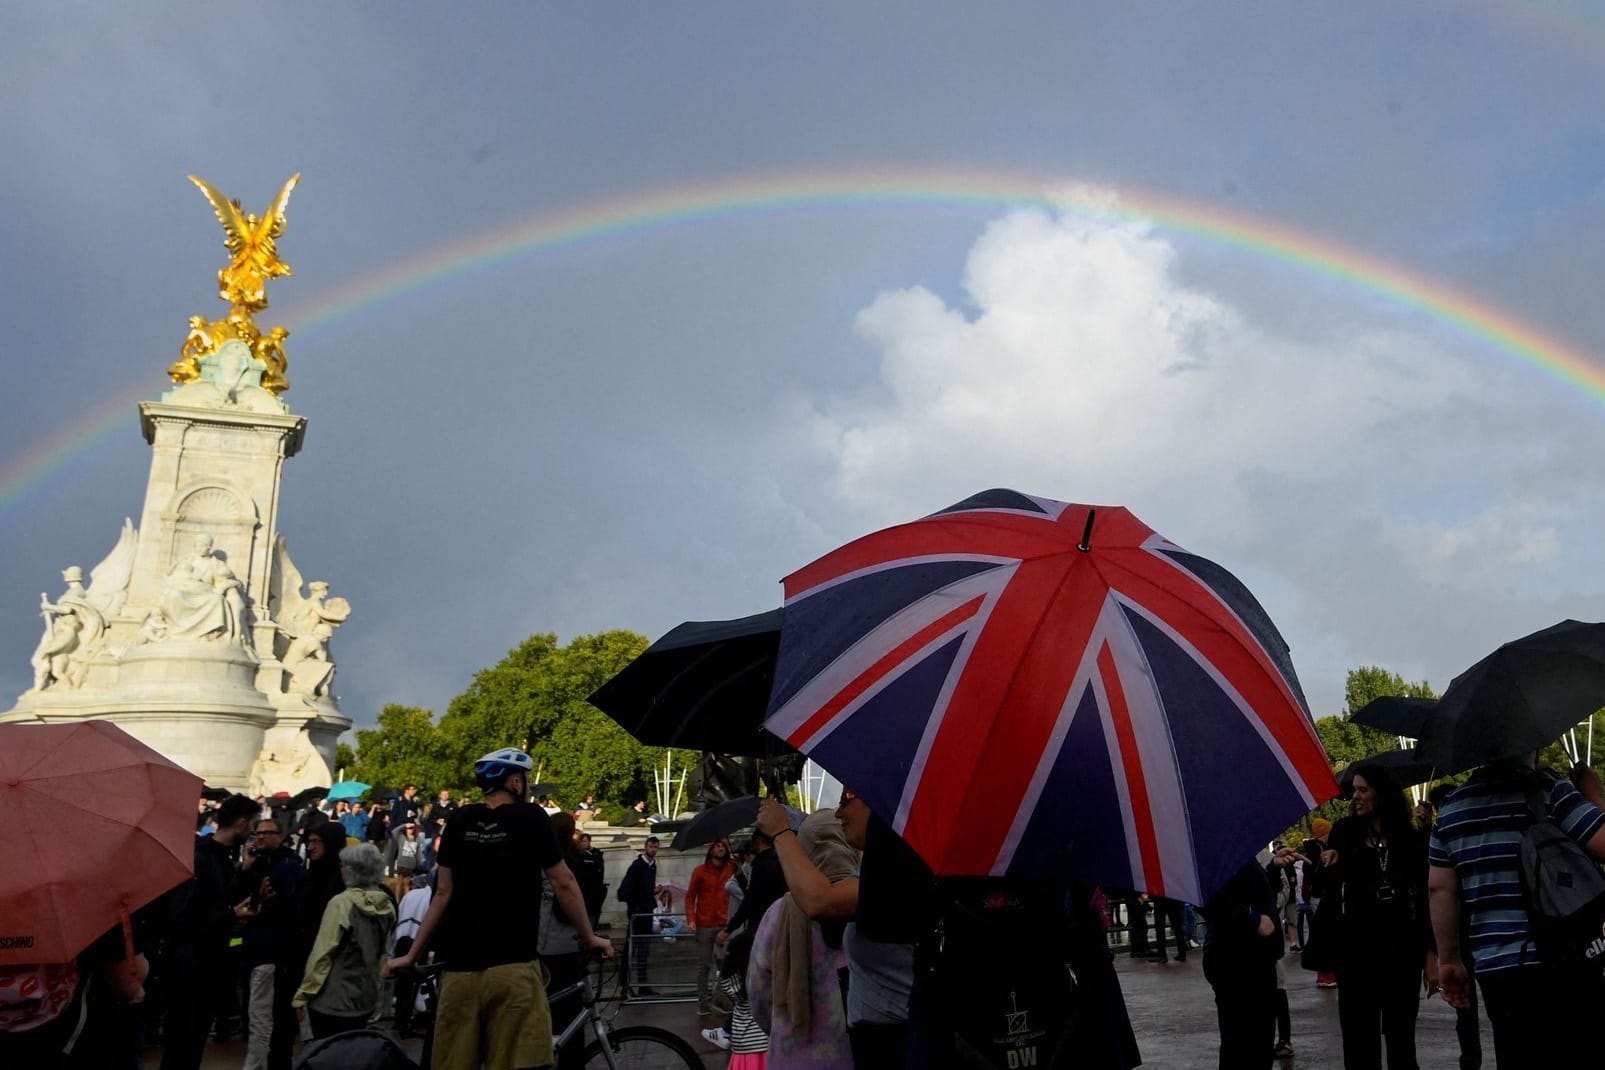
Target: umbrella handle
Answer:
pixel 128 932
pixel 1086 533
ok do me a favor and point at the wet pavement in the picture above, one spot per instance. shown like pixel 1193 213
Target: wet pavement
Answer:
pixel 1172 1011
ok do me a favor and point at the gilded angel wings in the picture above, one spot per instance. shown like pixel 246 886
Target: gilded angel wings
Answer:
pixel 251 241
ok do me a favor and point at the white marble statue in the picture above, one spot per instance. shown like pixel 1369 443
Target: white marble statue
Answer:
pixel 75 624
pixel 297 614
pixel 307 661
pixel 203 599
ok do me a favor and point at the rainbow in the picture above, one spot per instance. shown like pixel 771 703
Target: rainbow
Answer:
pixel 757 196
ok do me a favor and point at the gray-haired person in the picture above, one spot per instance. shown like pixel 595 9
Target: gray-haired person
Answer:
pixel 341 986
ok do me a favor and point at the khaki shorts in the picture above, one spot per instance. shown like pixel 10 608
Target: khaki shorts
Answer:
pixel 497 1018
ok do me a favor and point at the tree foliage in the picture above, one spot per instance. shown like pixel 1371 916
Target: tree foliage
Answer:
pixel 1346 742
pixel 404 748
pixel 1370 682
pixel 534 698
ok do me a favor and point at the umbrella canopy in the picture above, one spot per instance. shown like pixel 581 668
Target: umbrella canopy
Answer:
pixel 1404 765
pixel 306 796
pixel 1399 715
pixel 1023 686
pixel 705 686
pixel 718 822
pixel 106 824
pixel 1522 697
pixel 215 794
pixel 348 789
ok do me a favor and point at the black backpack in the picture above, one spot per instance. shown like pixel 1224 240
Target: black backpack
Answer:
pixel 360 1049
pixel 1565 894
pixel 994 986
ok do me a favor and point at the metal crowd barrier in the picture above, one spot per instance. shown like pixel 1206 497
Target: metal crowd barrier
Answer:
pixel 660 960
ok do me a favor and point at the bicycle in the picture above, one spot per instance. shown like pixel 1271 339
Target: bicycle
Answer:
pixel 632 1047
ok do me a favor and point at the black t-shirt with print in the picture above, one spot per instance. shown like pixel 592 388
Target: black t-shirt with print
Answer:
pixel 496 856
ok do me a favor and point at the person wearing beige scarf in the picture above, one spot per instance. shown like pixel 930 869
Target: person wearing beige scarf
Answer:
pixel 793 979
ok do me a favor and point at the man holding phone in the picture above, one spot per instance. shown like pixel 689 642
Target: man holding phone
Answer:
pixel 269 871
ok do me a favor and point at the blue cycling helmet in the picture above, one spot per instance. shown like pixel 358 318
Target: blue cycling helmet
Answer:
pixel 495 767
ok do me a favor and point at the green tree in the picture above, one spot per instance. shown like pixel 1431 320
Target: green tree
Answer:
pixel 406 747
pixel 344 756
pixel 1370 682
pixel 1346 742
pixel 534 698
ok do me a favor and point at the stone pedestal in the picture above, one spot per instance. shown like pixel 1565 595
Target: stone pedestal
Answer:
pixel 182 634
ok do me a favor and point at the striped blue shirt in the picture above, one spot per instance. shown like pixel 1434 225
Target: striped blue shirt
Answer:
pixel 1478 835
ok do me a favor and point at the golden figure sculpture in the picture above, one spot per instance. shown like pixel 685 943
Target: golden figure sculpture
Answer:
pixel 251 239
pixel 270 351
pixel 243 284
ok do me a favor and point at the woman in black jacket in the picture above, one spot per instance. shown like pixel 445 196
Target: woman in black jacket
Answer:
pixel 1376 863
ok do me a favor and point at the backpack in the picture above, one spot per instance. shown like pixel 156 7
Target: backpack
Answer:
pixel 1565 894
pixel 994 987
pixel 360 1049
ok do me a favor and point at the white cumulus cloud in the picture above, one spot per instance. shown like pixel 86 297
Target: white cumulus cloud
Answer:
pixel 1335 467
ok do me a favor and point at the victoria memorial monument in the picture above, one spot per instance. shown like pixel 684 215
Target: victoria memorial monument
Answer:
pixel 197 633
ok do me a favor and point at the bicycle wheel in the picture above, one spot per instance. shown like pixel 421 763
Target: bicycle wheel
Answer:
pixel 643 1047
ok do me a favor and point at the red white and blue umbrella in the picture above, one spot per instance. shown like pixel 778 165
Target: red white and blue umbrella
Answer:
pixel 1028 687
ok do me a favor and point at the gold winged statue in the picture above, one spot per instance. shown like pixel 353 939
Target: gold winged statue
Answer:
pixel 243 284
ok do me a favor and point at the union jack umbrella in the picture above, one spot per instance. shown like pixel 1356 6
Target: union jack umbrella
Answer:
pixel 1028 687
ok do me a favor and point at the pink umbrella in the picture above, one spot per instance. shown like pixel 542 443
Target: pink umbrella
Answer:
pixel 102 825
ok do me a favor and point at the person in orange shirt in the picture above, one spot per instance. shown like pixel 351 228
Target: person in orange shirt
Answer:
pixel 707 908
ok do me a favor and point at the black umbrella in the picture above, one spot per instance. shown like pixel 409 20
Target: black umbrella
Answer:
pixel 718 822
pixel 215 794
pixel 1404 766
pixel 1399 715
pixel 1522 697
pixel 705 686
pixel 307 795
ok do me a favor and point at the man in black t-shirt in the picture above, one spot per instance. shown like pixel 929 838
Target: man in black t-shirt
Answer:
pixel 493 1009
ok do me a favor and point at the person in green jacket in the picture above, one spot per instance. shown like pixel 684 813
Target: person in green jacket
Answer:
pixel 340 989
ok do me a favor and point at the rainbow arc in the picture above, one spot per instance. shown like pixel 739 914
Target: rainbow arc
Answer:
pixel 738 198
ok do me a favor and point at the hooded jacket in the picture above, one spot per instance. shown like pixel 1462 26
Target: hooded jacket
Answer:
pixel 342 975
pixel 404 852
pixel 320 883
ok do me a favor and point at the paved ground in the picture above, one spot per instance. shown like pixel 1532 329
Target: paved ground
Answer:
pixel 1171 1009
pixel 1173 1013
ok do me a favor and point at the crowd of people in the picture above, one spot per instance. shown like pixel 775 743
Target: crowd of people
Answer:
pixel 827 945
pixel 284 930
pixel 1388 905
pixel 1393 905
